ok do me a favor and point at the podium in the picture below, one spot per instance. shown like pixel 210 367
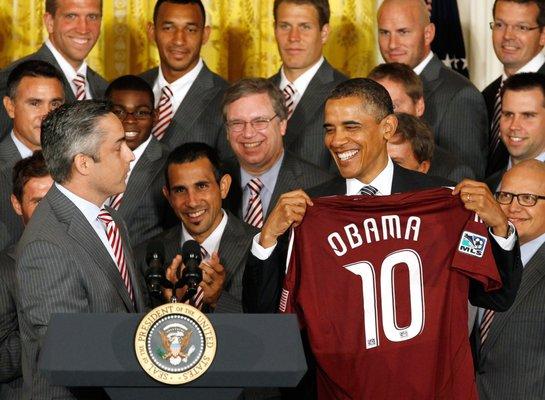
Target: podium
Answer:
pixel 97 350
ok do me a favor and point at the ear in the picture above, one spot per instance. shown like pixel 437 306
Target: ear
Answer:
pixel 542 37
pixel 388 126
pixel 420 107
pixel 324 33
pixel 225 184
pixel 205 34
pixel 283 126
pixel 17 207
pixel 424 167
pixel 429 34
pixel 48 22
pixel 166 193
pixel 82 164
pixel 9 106
pixel 151 32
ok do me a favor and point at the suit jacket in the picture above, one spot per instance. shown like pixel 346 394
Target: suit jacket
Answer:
pixel 456 112
pixel 199 117
pixel 489 94
pixel 294 173
pixel 9 155
pixel 63 267
pixel 97 84
pixel 448 166
pixel 11 379
pixel 235 245
pixel 512 359
pixel 143 206
pixel 263 279
pixel 305 131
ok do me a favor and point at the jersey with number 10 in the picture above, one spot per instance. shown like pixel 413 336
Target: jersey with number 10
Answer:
pixel 380 284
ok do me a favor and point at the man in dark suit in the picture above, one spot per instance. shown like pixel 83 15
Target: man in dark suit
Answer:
pixel 301 29
pixel 66 262
pixel 70 41
pixel 522 123
pixel 34 89
pixel 142 206
pixel 518 37
pixel 255 116
pixel 510 347
pixel 407 92
pixel 195 186
pixel 187 93
pixel 31 183
pixel 455 109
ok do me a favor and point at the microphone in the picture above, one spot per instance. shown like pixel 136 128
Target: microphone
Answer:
pixel 192 274
pixel 155 274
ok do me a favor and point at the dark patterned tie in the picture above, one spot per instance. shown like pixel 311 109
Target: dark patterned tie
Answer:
pixel 79 83
pixel 368 190
pixel 486 321
pixel 254 213
pixel 289 94
pixel 495 137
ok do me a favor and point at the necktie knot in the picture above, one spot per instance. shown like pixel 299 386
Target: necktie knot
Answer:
pixel 368 190
pixel 79 83
pixel 254 212
pixel 255 186
pixel 289 98
pixel 105 217
pixel 165 111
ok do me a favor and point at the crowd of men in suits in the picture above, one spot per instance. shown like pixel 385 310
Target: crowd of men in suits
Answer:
pixel 178 154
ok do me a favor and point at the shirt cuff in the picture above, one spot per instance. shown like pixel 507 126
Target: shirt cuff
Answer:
pixel 259 251
pixel 507 243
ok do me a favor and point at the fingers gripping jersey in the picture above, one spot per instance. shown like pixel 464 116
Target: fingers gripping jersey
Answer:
pixel 381 284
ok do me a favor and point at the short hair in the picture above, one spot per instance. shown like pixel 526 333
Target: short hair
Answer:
pixel 26 169
pixel 524 81
pixel 248 86
pixel 197 2
pixel 401 74
pixel 70 130
pixel 129 82
pixel 193 151
pixel 51 6
pixel 32 69
pixel 375 98
pixel 539 3
pixel 321 7
pixel 417 132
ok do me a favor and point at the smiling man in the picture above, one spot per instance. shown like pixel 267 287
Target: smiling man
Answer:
pixel 187 93
pixel 73 27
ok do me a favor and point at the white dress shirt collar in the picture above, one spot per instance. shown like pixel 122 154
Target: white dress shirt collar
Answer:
pixel 179 87
pixel 532 66
pixel 423 64
pixel 528 250
pixel 302 82
pixel 212 243
pixel 24 151
pixel 138 153
pixel 69 72
pixel 382 182
pixel 540 157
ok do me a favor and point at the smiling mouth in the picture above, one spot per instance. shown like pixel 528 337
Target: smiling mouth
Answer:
pixel 131 134
pixel 196 214
pixel 80 41
pixel 516 139
pixel 347 155
pixel 251 145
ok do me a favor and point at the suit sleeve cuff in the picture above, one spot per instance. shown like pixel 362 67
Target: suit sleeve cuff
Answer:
pixel 507 243
pixel 259 251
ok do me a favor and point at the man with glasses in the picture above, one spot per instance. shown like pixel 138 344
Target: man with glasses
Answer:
pixel 511 350
pixel 518 38
pixel 522 121
pixel 255 118
pixel 142 206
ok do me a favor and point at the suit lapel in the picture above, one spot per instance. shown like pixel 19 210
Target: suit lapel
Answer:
pixel 172 241
pixel 287 179
pixel 430 76
pixel 46 55
pixel 8 151
pixel 230 252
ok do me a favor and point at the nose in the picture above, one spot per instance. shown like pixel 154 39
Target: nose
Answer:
pixel 294 35
pixel 82 24
pixel 192 198
pixel 509 32
pixel 248 130
pixel 179 36
pixel 130 118
pixel 336 138
pixel 392 41
pixel 514 123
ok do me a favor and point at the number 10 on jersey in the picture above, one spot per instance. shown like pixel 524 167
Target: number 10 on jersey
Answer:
pixel 364 269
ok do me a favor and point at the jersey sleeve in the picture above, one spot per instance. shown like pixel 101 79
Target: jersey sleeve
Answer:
pixel 473 254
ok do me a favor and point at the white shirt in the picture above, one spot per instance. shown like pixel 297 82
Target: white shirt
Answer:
pixel 179 87
pixel 302 82
pixel 423 64
pixel 137 154
pixel 24 151
pixel 212 243
pixel 69 72
pixel 90 211
pixel 532 66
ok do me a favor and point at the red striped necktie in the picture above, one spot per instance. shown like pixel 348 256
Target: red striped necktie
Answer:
pixel 254 213
pixel 165 113
pixel 289 94
pixel 79 83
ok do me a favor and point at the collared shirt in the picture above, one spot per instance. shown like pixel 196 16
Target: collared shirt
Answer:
pixel 24 151
pixel 423 64
pixel 69 72
pixel 532 66
pixel 212 243
pixel 90 211
pixel 137 154
pixel 540 157
pixel 179 87
pixel 268 178
pixel 528 250
pixel 302 82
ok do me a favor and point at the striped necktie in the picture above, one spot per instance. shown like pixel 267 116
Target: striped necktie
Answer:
pixel 115 201
pixel 165 113
pixel 486 322
pixel 495 137
pixel 254 213
pixel 368 190
pixel 79 83
pixel 289 98
pixel 114 238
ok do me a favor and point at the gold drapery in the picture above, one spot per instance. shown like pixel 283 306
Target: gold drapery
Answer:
pixel 241 43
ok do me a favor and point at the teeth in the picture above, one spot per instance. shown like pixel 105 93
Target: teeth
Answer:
pixel 196 214
pixel 131 134
pixel 81 41
pixel 516 139
pixel 347 155
pixel 251 145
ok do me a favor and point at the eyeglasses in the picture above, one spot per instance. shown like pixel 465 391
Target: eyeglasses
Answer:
pixel 502 26
pixel 138 114
pixel 524 199
pixel 258 124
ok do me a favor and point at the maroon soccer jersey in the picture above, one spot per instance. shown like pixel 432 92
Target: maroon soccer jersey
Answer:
pixel 380 284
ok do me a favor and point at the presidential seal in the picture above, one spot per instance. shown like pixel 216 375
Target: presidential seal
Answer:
pixel 175 343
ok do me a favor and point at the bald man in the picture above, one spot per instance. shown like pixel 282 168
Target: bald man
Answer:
pixel 455 109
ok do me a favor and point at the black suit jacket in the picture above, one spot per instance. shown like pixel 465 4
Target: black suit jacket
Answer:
pixel 9 155
pixel 446 165
pixel 305 131
pixel 97 84
pixel 263 279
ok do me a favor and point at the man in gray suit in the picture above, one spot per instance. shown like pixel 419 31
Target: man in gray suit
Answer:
pixel 510 347
pixel 30 185
pixel 187 93
pixel 255 116
pixel 73 27
pixel 195 187
pixel 455 109
pixel 34 89
pixel 142 206
pixel 66 261
pixel 519 49
pixel 301 29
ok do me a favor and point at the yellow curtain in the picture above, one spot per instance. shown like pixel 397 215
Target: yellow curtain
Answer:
pixel 241 44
